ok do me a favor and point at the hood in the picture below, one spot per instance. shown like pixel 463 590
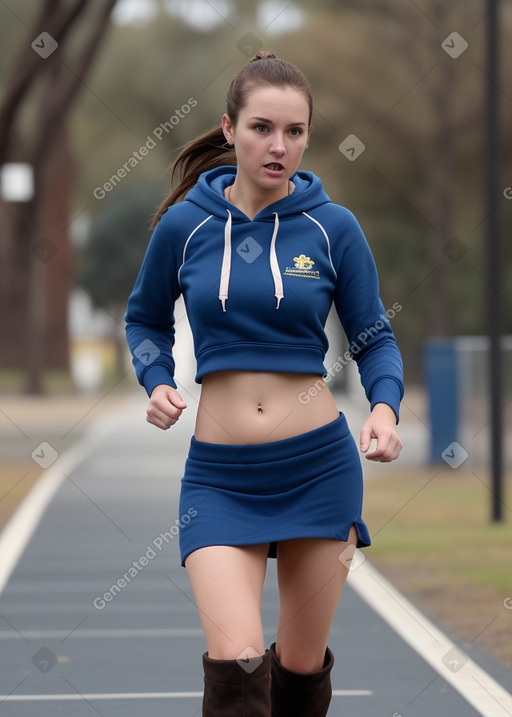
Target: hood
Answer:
pixel 208 194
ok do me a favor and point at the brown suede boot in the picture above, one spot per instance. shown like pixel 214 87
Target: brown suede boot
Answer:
pixel 237 688
pixel 300 695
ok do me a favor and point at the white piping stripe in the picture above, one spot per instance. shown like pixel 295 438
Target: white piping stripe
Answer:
pixel 326 239
pixel 477 687
pixel 186 243
pixel 141 696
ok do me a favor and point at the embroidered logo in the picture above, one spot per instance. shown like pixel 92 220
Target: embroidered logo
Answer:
pixel 303 268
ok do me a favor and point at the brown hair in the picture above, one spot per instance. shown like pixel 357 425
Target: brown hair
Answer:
pixel 211 150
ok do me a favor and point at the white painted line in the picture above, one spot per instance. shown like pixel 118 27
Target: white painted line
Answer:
pixel 142 696
pixel 100 696
pixel 477 687
pixel 19 530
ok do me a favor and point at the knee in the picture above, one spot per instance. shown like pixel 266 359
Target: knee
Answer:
pixel 236 650
pixel 302 661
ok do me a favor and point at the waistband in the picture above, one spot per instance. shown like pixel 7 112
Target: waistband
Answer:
pixel 271 451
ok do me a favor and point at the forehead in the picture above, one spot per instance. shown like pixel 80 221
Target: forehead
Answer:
pixel 279 104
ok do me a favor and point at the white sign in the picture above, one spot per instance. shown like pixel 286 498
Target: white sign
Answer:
pixel 16 182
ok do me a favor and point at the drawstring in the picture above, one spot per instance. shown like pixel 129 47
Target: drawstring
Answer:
pixel 226 264
pixel 225 271
pixel 274 266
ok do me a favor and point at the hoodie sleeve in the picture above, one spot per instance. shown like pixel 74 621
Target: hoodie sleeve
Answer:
pixel 150 311
pixel 371 341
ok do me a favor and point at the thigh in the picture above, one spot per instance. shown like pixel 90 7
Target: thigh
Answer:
pixel 227 582
pixel 311 574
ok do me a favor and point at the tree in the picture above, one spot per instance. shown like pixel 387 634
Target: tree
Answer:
pixel 47 76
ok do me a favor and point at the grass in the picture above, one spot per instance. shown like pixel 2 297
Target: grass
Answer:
pixel 16 480
pixel 433 538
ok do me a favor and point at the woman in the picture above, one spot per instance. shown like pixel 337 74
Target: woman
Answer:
pixel 260 253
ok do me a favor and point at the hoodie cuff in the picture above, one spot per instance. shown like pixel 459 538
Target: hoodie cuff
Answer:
pixel 155 376
pixel 389 391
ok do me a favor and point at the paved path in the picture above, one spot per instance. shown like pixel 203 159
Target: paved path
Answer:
pixel 73 645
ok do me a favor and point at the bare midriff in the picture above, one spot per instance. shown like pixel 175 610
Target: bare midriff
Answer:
pixel 241 407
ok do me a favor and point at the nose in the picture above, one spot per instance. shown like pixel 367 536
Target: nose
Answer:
pixel 278 146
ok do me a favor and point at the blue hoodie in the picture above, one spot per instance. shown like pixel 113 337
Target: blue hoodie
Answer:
pixel 258 293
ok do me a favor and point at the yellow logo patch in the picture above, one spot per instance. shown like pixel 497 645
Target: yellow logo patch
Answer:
pixel 303 262
pixel 303 268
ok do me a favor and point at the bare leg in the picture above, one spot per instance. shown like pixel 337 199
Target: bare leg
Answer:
pixel 227 583
pixel 311 579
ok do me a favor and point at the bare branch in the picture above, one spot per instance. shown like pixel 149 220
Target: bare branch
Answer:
pixel 55 20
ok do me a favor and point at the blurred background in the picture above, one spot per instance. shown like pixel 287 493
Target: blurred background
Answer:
pixel 98 96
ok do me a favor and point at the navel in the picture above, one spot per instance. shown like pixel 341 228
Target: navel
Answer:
pixel 260 408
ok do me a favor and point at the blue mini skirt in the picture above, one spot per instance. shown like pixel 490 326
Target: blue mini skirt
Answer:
pixel 307 486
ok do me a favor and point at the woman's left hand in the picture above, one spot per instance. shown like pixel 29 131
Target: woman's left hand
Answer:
pixel 382 426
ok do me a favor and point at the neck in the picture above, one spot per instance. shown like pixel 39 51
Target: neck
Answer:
pixel 252 201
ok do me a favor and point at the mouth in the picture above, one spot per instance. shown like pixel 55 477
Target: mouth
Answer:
pixel 274 166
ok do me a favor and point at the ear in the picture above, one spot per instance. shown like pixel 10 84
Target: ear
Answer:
pixel 227 128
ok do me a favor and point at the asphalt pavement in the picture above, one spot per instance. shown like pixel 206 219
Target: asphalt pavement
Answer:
pixel 97 616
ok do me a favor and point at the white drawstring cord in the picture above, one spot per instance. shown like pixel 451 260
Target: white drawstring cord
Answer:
pixel 226 264
pixel 274 265
pixel 225 271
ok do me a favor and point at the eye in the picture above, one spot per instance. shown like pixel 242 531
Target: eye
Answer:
pixel 261 128
pixel 295 131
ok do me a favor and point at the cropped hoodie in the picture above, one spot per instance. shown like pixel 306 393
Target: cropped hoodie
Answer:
pixel 258 292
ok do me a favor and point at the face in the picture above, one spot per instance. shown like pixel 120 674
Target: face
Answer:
pixel 270 136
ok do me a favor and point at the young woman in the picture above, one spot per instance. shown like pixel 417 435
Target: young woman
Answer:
pixel 260 253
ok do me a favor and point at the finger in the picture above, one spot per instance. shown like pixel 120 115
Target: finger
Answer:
pixel 163 423
pixel 163 417
pixel 382 450
pixel 387 453
pixel 365 438
pixel 177 401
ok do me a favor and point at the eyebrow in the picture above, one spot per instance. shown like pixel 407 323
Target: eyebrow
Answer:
pixel 268 121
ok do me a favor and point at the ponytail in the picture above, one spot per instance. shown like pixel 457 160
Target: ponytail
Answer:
pixel 210 150
pixel 206 152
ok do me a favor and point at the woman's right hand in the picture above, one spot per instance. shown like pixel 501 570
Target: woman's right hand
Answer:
pixel 165 407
